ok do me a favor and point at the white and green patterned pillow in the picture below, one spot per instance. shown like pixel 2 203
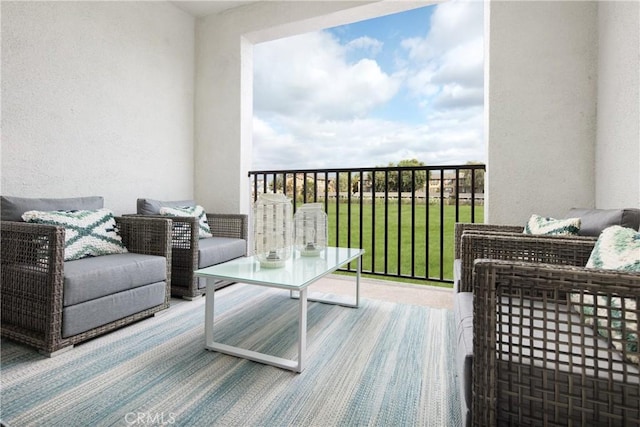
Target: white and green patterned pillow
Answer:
pixel 552 227
pixel 617 248
pixel 87 232
pixel 623 327
pixel 196 211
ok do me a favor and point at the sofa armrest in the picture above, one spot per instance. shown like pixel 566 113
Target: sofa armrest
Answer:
pixel 146 235
pixel 462 227
pixel 184 230
pixel 559 250
pixel 32 272
pixel 229 225
pixel 538 357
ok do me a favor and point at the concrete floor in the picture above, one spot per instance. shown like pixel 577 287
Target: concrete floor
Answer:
pixel 386 290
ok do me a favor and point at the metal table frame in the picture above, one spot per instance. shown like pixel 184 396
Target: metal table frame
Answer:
pixel 298 289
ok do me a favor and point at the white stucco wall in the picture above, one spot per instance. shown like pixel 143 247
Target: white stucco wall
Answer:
pixel 618 137
pixel 97 99
pixel 541 108
pixel 224 92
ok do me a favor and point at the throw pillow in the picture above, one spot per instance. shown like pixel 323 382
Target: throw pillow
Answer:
pixel 87 232
pixel 612 317
pixel 196 211
pixel 552 227
pixel 617 248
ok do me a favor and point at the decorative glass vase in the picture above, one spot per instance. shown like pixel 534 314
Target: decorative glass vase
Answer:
pixel 273 229
pixel 311 233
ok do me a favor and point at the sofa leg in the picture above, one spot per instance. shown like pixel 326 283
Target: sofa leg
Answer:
pixel 55 353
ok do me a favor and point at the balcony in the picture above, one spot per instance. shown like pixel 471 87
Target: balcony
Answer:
pixel 140 99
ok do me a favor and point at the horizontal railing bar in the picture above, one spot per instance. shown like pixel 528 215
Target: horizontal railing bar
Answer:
pixel 375 169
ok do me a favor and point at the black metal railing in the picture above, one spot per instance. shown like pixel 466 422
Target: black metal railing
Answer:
pixel 403 216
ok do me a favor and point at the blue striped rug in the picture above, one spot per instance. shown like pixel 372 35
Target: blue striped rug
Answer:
pixel 383 364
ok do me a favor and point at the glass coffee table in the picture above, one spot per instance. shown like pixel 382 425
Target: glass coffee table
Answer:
pixel 298 273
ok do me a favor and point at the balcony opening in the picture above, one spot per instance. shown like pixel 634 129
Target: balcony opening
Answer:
pixel 379 119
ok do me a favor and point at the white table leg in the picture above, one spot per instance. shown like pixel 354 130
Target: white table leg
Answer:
pixel 209 312
pixel 358 271
pixel 292 365
pixel 302 329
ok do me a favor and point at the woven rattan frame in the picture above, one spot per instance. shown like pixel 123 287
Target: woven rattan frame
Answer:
pixel 461 227
pixel 33 276
pixel 561 250
pixel 569 381
pixel 185 245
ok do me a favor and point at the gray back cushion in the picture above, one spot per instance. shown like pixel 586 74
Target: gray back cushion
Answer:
pixel 152 207
pixel 13 207
pixel 593 221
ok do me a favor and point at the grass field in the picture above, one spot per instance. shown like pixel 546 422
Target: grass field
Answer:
pixel 396 233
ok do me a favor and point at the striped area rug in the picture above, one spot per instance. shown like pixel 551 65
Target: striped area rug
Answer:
pixel 382 364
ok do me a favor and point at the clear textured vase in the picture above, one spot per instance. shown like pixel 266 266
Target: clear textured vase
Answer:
pixel 310 229
pixel 273 230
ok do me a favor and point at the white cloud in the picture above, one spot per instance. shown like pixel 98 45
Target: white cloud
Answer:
pixel 368 44
pixel 367 142
pixel 308 76
pixel 447 64
pixel 312 107
pixel 453 23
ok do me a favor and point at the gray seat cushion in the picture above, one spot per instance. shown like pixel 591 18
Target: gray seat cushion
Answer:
pixel 214 250
pixel 463 317
pixel 152 207
pixel 593 221
pixel 12 208
pixel 91 278
pixel 101 311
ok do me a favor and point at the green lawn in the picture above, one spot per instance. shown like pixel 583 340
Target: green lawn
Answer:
pixel 421 229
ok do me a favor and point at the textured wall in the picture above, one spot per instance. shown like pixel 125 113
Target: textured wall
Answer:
pixel 618 145
pixel 97 99
pixel 541 108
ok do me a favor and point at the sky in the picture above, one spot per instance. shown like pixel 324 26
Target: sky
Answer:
pixel 371 93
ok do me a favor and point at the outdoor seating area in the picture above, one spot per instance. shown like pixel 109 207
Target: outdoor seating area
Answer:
pixel 69 277
pixel 543 336
pixel 72 271
pixel 478 162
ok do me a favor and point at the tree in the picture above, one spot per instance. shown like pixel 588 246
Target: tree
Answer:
pixel 419 177
pixel 478 174
pixel 409 180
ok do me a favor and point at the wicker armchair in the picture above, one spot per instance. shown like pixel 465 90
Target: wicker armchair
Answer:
pixel 478 241
pixel 33 282
pixel 190 252
pixel 227 229
pixel 538 360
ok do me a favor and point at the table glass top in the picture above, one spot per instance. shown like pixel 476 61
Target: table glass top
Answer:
pixel 298 272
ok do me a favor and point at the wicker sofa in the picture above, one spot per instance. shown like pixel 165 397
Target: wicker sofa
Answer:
pixel 189 252
pixel 500 242
pixel 52 304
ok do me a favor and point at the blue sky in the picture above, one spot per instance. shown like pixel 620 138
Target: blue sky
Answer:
pixel 408 85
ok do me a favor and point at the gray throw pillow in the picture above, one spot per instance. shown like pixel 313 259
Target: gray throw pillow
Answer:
pixel 593 221
pixel 152 207
pixel 13 207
